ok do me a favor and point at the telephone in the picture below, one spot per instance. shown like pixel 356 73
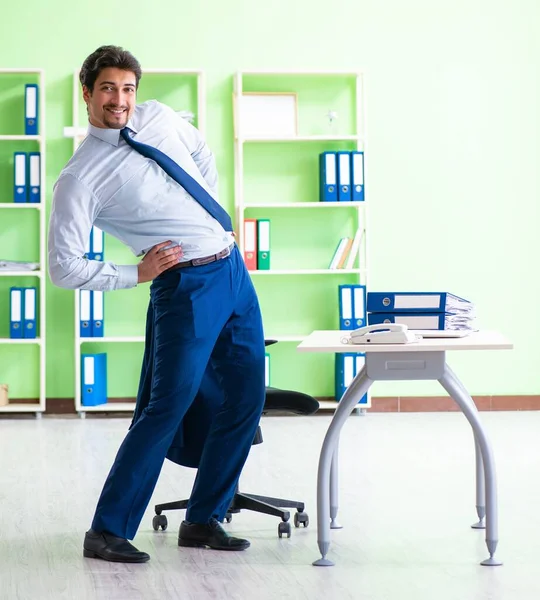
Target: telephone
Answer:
pixel 387 333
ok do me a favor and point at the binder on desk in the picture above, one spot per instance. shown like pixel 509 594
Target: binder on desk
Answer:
pixel 34 176
pixel 30 312
pixel 348 365
pixel 16 313
pixel 93 379
pixel 344 176
pixel 85 313
pixel 263 244
pixel 250 244
pixel 435 321
pixel 415 302
pixel 20 182
pixel 96 244
pixel 97 314
pixel 31 100
pixel 357 176
pixel 328 177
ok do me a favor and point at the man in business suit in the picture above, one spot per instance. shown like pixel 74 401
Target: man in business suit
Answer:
pixel 204 330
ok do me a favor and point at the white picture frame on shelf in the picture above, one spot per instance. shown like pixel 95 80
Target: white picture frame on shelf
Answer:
pixel 267 114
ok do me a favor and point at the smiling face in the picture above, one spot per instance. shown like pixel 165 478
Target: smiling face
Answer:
pixel 112 100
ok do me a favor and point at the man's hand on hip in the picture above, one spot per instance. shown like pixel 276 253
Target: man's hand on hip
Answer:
pixel 156 260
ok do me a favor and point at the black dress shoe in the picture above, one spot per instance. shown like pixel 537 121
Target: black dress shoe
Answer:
pixel 109 547
pixel 212 534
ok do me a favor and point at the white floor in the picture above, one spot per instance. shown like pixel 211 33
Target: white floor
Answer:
pixel 407 500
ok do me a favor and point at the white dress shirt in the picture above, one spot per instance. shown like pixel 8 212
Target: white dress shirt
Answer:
pixel 111 185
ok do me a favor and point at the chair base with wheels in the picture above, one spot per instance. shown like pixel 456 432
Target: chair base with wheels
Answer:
pixel 262 504
pixel 277 401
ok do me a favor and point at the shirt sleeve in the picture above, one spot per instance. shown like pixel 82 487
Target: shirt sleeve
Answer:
pixel 74 210
pixel 199 150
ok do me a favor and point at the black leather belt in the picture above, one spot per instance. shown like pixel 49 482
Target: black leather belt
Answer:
pixel 205 260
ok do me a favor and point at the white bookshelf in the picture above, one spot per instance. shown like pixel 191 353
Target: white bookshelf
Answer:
pixel 356 139
pixel 78 133
pixel 38 75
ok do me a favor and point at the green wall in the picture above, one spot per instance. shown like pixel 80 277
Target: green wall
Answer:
pixel 453 130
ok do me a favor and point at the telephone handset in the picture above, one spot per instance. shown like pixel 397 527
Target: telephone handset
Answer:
pixel 382 333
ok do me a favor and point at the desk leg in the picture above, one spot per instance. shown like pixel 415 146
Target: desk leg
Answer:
pixel 457 392
pixel 356 390
pixel 480 488
pixel 334 489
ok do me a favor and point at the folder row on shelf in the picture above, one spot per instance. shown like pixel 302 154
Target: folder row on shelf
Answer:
pixel 23 312
pixel 347 367
pixel 257 244
pixel 91 313
pixel 93 379
pixel 31 112
pixel 341 176
pixel 352 306
pixel 26 177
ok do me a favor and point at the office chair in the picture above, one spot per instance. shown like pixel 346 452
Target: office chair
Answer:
pixel 276 400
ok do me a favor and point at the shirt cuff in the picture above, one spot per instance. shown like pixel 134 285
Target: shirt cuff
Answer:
pixel 128 276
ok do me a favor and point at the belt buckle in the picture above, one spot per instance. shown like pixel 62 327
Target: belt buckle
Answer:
pixel 198 262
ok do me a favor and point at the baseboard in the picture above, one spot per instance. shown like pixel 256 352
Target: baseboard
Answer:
pixel 59 406
pixel 446 404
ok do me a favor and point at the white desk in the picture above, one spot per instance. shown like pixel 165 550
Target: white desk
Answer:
pixel 425 359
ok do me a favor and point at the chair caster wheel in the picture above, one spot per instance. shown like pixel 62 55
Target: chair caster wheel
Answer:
pixel 159 521
pixel 284 528
pixel 301 518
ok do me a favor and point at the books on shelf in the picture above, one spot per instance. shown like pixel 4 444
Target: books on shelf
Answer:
pixel 346 252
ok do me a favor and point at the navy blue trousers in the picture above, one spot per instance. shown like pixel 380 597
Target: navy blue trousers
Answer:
pixel 205 319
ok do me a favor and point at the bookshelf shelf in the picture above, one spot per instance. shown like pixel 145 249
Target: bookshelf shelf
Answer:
pixel 18 77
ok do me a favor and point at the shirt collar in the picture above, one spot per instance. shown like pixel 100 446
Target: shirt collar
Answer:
pixel 111 136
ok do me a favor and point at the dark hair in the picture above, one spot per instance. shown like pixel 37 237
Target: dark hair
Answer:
pixel 105 57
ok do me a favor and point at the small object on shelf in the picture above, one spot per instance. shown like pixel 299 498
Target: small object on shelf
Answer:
pixel 4 399
pixel 332 116
pixel 267 114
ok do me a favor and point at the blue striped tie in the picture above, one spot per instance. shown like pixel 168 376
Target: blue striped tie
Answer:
pixel 174 170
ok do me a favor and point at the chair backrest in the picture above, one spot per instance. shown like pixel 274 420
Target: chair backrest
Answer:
pixel 289 401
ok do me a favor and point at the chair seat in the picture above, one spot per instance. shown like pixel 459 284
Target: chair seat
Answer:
pixel 289 401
